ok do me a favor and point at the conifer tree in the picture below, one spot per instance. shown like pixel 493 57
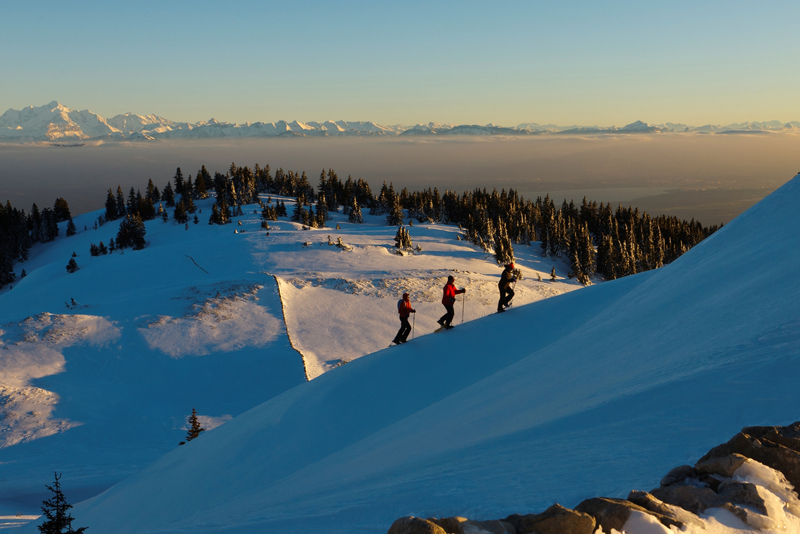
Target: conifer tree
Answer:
pixel 179 185
pixel 298 212
pixel 214 218
pixel 72 265
pixel 503 250
pixel 49 229
pixel 111 206
pixel 200 189
pixel 224 212
pixel 133 203
pixel 180 213
pixel 168 196
pixel 311 217
pixel 194 426
pixel 120 203
pixel 61 210
pixel 322 210
pixel 395 216
pixel 147 210
pixel 402 240
pixel 71 229
pixel 355 212
pixel 55 511
pixel 131 233
pixel 152 192
pixel 101 249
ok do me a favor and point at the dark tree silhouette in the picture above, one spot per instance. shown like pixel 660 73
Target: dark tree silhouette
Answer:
pixel 55 510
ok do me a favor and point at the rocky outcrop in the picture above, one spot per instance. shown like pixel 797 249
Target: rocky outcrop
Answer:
pixel 775 447
pixel 554 520
pixel 462 525
pixel 414 525
pixel 684 493
pixel 652 504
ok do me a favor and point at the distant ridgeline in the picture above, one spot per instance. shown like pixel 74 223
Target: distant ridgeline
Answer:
pixel 613 243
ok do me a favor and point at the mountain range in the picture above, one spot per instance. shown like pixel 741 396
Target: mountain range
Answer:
pixel 55 122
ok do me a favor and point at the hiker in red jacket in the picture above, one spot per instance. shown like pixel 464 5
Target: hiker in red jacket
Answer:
pixel 449 299
pixel 404 309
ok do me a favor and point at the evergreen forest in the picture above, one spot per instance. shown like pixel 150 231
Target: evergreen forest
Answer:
pixel 594 239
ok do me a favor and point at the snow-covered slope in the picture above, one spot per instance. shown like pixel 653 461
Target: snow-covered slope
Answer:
pixel 100 388
pixel 595 392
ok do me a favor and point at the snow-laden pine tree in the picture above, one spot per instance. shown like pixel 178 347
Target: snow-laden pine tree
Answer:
pixel 298 212
pixel 402 240
pixel 503 251
pixel 395 216
pixel 322 210
pixel 355 212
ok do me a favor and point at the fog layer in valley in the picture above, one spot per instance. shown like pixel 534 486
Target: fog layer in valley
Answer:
pixel 711 178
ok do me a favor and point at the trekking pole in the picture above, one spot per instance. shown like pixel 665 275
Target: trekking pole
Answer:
pixel 463 305
pixel 413 325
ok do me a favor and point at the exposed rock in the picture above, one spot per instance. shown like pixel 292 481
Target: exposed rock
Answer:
pixel 676 513
pixel 492 527
pixel 488 527
pixel 678 474
pixel 462 525
pixel 451 525
pixel 765 450
pixel 685 493
pixel 732 495
pixel 738 511
pixel 414 525
pixel 554 520
pixel 613 513
pixel 692 498
pixel 736 492
pixel 722 466
pixel 788 436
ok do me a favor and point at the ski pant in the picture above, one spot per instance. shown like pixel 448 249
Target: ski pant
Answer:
pixel 405 329
pixel 447 318
pixel 506 294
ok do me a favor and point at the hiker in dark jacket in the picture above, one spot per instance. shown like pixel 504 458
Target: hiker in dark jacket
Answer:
pixel 404 309
pixel 449 300
pixel 506 293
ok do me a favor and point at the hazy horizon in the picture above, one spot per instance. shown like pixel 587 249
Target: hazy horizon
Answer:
pixel 709 178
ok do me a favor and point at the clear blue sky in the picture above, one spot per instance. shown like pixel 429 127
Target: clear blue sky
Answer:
pixel 406 62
